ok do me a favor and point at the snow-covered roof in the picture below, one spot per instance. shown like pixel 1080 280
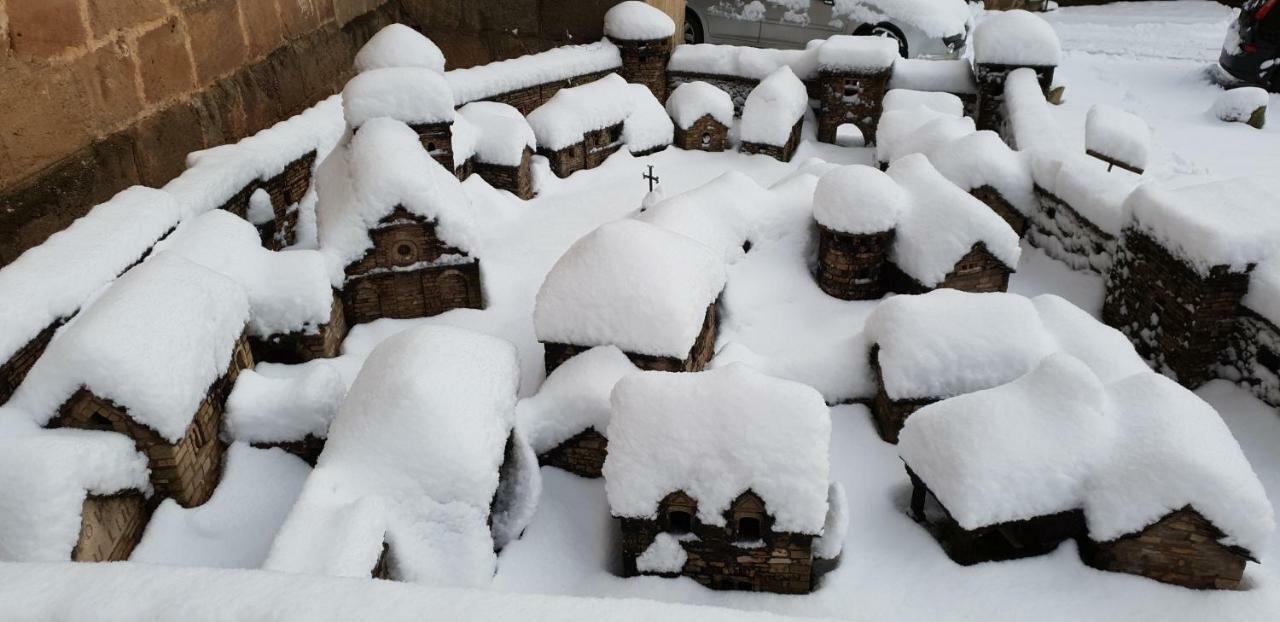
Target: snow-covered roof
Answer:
pixel 281 408
pixel 745 62
pixel 860 54
pixel 502 133
pixel 397 45
pixel 288 291
pixel 216 174
pixel 409 94
pixel 1230 223
pixel 51 281
pixel 922 74
pixel 946 342
pixel 559 63
pixel 574 397
pixel 715 435
pixel 723 213
pixel 1118 134
pixel 858 199
pixel 1031 125
pixel 1085 184
pixel 47 475
pixel 633 285
pixel 773 107
pixel 935 18
pixel 648 127
pixel 414 454
pixel 1057 439
pixel 152 343
pixel 1016 38
pixel 895 125
pixel 637 21
pixel 983 159
pixel 693 100
pixel 908 99
pixel 930 131
pixel 942 223
pixel 360 183
pixel 572 112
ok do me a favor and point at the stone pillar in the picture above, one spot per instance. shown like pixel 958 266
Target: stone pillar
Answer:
pixel 847 96
pixel 851 266
pixel 645 62
pixel 991 78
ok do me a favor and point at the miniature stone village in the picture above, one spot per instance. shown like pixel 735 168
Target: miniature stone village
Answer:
pixel 124 385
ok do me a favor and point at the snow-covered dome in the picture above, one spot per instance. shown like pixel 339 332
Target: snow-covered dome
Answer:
pixel 636 21
pixel 398 45
pixel 409 94
pixel 1016 38
pixel 858 199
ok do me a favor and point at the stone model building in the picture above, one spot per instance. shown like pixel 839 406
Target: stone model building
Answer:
pixel 120 368
pixel 420 98
pixel 643 35
pixel 648 291
pixel 736 510
pixel 504 147
pixel 1009 41
pixel 853 76
pixel 702 114
pixel 983 165
pixel 856 209
pixel 414 259
pixel 773 116
pixel 1087 454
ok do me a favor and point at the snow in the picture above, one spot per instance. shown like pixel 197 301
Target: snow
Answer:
pixel 81 259
pixel 858 199
pixel 1031 126
pixel 409 94
pixel 519 489
pixel 648 127
pixel 895 126
pixel 573 112
pixel 836 528
pixel 397 45
pixel 844 53
pixel 260 210
pixel 1088 187
pixel 693 100
pixel 636 21
pixel 632 285
pixel 665 554
pixel 942 224
pixel 1118 134
pixel 414 453
pixel 502 133
pixel 948 76
pixel 724 213
pixel 288 290
pixel 1107 352
pixel 152 343
pixel 1229 223
pixel 574 398
pixel 1016 38
pixel 274 409
pixel 907 99
pixel 1263 297
pixel 717 434
pixel 383 167
pixel 744 62
pixel 497 78
pixel 937 19
pixel 930 134
pixel 773 108
pixel 982 159
pixel 464 138
pixel 48 473
pixel 1239 104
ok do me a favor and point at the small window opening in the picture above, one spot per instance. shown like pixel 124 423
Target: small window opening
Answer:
pixel 679 521
pixel 99 422
pixel 748 528
pixel 706 139
pixel 404 251
pixel 744 585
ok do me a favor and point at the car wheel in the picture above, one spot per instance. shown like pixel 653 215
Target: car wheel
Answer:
pixel 886 30
pixel 692 28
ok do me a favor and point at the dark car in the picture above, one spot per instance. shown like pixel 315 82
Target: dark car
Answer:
pixel 1251 52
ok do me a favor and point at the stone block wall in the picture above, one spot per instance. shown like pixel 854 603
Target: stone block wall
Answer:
pixel 14 370
pixel 783 152
pixel 1063 234
pixel 111 526
pixel 583 454
pixel 1253 358
pixel 555 354
pixel 1182 548
pixel 851 267
pixel 706 134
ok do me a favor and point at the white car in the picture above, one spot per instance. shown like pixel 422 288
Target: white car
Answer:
pixel 922 28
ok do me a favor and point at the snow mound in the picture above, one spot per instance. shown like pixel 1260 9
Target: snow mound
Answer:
pixel 412 459
pixel 560 63
pixel 724 213
pixel 715 435
pixel 279 409
pixel 836 528
pixel 907 99
pixel 80 259
pixel 48 474
pixel 1118 134
pixel 633 285
pixel 574 397
pixel 664 555
pixel 744 62
pixel 1016 38
pixel 648 127
pixel 409 94
pixel 1230 223
pixel 858 199
pixel 983 159
pixel 1031 125
pixel 924 138
pixel 636 21
pixel 921 74
pixel 1088 187
pixel 573 112
pixel 693 100
pixel 1264 290
pixel 896 125
pixel 857 54
pixel 152 343
pixel 397 45
pixel 1239 104
pixel 942 224
pixel 502 133
pixel 773 107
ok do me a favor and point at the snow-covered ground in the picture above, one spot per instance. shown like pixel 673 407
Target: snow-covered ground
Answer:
pixel 1149 58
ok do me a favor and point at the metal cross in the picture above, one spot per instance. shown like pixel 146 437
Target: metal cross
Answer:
pixel 650 176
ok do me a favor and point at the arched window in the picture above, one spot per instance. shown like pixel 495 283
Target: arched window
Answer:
pixel 679 521
pixel 749 528
pixel 675 513
pixel 746 517
pixel 706 139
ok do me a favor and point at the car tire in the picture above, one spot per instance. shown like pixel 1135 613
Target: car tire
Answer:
pixel 692 28
pixel 887 30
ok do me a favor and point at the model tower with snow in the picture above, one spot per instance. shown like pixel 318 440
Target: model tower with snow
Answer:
pixel 1002 43
pixel 857 209
pixel 853 76
pixel 643 35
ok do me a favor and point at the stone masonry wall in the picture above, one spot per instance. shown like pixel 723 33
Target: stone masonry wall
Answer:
pixel 1063 234
pixel 1182 548
pixel 111 526
pixel 583 454
pixel 1253 358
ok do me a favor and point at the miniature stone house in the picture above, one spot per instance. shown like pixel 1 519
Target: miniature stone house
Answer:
pixel 580 127
pixel 504 146
pixel 1183 548
pixel 643 35
pixel 982 164
pixel 718 519
pixel 117 369
pixel 1009 41
pixel 648 291
pixel 773 116
pixel 702 114
pixel 283 192
pixel 413 261
pixel 853 76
